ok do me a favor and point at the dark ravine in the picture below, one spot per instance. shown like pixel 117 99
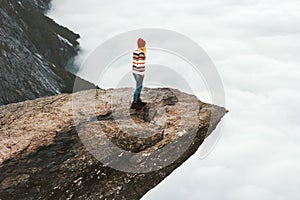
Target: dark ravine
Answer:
pixel 45 143
pixel 34 52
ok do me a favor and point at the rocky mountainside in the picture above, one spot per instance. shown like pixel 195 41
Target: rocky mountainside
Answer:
pixel 91 145
pixel 34 52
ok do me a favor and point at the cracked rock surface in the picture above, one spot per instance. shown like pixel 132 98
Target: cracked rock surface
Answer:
pixel 91 145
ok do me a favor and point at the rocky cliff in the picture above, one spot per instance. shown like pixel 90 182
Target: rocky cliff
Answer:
pixel 34 52
pixel 91 145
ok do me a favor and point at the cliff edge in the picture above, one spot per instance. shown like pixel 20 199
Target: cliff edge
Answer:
pixel 91 145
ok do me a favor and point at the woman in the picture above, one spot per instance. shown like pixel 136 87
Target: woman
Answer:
pixel 138 71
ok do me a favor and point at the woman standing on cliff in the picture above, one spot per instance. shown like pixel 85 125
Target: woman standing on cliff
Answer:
pixel 138 71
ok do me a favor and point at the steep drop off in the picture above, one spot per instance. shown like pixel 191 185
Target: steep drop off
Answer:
pixel 34 52
pixel 46 144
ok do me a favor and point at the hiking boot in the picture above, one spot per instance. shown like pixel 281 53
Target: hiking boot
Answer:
pixel 136 106
pixel 141 103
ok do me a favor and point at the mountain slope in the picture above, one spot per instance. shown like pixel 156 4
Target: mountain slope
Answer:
pixel 34 52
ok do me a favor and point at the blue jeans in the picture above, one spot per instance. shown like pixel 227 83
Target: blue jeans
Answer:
pixel 139 85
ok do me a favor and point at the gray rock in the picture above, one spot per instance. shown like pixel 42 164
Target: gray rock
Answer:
pixel 34 52
pixel 91 145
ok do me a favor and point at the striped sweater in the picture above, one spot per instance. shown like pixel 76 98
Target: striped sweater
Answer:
pixel 138 60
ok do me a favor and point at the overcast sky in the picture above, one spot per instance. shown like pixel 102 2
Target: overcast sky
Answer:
pixel 255 47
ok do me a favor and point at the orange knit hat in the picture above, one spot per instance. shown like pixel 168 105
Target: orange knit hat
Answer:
pixel 141 42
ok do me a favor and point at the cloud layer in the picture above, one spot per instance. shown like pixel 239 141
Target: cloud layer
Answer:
pixel 255 47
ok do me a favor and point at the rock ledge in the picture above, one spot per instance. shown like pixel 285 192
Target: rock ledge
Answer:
pixel 91 145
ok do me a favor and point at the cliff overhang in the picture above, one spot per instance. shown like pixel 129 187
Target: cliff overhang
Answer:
pixel 91 145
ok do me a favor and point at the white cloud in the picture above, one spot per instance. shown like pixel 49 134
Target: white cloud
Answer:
pixel 255 46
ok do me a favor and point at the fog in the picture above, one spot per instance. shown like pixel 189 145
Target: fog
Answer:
pixel 255 47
